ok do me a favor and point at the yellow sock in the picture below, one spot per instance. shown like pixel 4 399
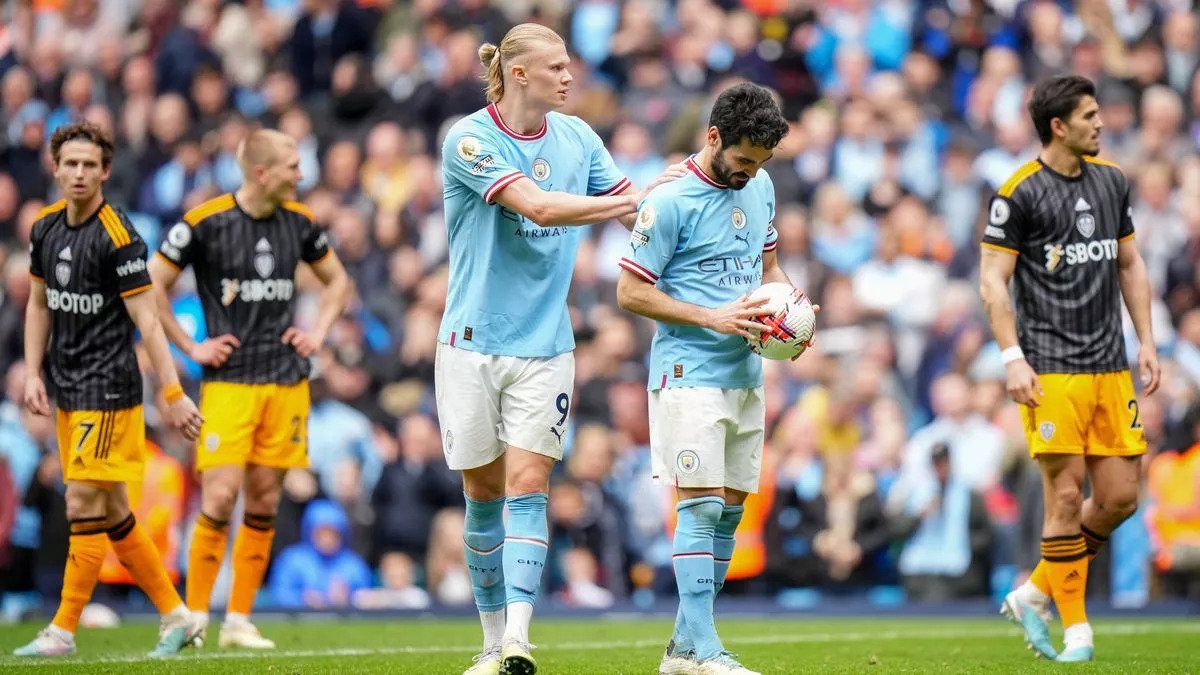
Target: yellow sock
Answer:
pixel 141 557
pixel 1066 564
pixel 1039 579
pixel 204 560
pixel 251 553
pixel 85 555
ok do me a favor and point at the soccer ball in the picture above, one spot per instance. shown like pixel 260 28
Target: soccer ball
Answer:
pixel 791 319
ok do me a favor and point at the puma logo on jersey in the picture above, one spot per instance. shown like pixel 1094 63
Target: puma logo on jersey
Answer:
pixel 1079 253
pixel 256 290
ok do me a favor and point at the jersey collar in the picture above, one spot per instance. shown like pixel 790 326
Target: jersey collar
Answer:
pixel 495 113
pixel 1069 179
pixel 695 168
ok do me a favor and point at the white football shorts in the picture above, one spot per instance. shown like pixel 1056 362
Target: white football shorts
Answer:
pixel 486 402
pixel 704 437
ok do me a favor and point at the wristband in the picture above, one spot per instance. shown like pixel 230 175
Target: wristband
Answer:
pixel 1011 354
pixel 172 393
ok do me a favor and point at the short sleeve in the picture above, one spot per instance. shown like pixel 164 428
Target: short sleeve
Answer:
pixel 179 246
pixel 128 264
pixel 1005 229
pixel 474 160
pixel 1125 228
pixel 604 178
pixel 772 239
pixel 654 239
pixel 315 246
pixel 35 253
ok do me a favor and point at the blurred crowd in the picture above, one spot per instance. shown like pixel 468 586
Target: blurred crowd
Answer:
pixel 895 466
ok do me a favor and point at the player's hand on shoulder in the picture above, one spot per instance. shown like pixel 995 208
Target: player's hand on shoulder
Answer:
pixel 736 318
pixel 1023 384
pixel 183 416
pixel 214 352
pixel 306 343
pixel 36 399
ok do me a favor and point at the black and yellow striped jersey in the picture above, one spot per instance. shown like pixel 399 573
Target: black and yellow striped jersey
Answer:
pixel 1065 231
pixel 88 269
pixel 246 277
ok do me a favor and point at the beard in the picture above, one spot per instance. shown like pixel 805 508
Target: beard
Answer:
pixel 725 174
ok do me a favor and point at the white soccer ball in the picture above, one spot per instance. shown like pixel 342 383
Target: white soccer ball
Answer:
pixel 791 318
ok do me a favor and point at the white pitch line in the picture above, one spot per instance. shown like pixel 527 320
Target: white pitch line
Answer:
pixel 828 637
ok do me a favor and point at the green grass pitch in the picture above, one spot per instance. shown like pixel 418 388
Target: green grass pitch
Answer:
pixel 776 645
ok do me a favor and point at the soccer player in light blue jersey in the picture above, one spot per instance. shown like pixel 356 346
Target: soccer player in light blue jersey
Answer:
pixel 700 245
pixel 517 175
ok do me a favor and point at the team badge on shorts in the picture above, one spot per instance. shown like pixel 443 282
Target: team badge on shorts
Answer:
pixel 1046 430
pixel 688 461
pixel 541 169
pixel 739 218
pixel 449 441
pixel 212 442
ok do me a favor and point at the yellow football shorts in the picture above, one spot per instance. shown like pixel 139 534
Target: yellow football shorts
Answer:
pixel 1085 414
pixel 102 445
pixel 263 424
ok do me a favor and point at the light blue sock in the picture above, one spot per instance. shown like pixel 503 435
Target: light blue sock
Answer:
pixel 525 544
pixel 483 543
pixel 723 542
pixel 695 572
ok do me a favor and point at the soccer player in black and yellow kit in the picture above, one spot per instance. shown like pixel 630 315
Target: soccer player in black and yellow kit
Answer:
pixel 1061 229
pixel 88 296
pixel 245 248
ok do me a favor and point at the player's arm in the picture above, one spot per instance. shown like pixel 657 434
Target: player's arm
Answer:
pixel 552 208
pixel 996 268
pixel 334 298
pixel 37 332
pixel 1135 288
pixel 181 412
pixel 213 352
pixel 637 295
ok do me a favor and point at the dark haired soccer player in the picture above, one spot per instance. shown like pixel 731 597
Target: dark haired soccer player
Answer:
pixel 699 246
pixel 88 296
pixel 1062 227
pixel 245 248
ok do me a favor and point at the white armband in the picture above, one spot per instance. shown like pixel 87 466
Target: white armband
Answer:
pixel 1011 354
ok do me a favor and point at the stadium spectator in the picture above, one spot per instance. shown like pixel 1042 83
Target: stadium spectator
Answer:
pixel 321 572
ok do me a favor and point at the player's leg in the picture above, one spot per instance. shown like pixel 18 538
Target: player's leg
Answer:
pixel 137 552
pixel 1058 426
pixel 251 556
pixel 468 403
pixel 688 436
pixel 1064 551
pixel 85 554
pixel 226 439
pixel 535 401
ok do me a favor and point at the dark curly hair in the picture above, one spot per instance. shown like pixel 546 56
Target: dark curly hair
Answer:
pixel 1057 97
pixel 748 111
pixel 82 131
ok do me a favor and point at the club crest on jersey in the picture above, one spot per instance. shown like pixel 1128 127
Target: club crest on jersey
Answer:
pixel 264 261
pixel 541 169
pixel 738 218
pixel 688 461
pixel 62 271
pixel 1046 430
pixel 1086 224
pixel 469 148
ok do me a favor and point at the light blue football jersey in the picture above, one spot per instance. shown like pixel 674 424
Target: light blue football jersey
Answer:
pixel 703 243
pixel 509 277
